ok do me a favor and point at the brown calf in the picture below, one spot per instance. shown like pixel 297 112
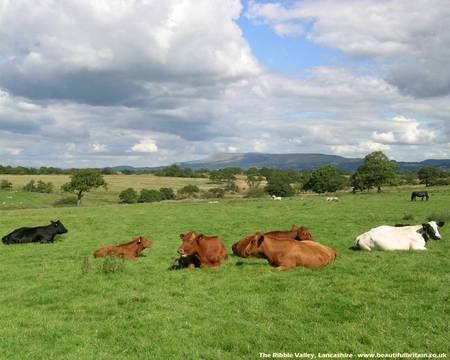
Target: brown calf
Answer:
pixel 208 250
pixel 296 233
pixel 131 250
pixel 288 253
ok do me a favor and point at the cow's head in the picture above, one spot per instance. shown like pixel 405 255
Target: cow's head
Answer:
pixel 254 248
pixel 431 229
pixel 58 227
pixel 189 244
pixel 142 242
pixel 239 247
pixel 304 234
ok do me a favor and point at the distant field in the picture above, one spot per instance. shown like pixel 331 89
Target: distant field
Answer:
pixel 57 303
pixel 116 183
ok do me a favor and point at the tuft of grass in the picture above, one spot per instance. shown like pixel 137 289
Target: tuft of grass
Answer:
pixel 408 216
pixel 113 264
pixel 439 216
pixel 86 265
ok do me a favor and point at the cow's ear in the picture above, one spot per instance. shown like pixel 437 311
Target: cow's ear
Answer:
pixel 182 236
pixel 294 227
pixel 441 223
pixel 425 226
pixel 52 222
pixel 259 238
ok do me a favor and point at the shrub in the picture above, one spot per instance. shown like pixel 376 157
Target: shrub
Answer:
pixel 40 187
pixel 6 185
pixel 150 196
pixel 129 196
pixel 189 190
pixel 43 187
pixel 232 187
pixel 255 193
pixel 167 193
pixel 29 187
pixel 217 193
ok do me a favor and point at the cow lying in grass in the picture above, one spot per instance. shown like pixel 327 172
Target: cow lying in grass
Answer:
pixel 296 233
pixel 42 234
pixel 287 253
pixel 130 251
pixel 198 250
pixel 386 237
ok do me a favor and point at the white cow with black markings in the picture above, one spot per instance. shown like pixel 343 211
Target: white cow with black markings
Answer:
pixel 399 238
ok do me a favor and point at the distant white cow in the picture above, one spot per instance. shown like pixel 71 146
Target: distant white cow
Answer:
pixel 399 238
pixel 332 198
pixel 276 197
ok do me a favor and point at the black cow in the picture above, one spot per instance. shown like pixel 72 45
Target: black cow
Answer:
pixel 42 234
pixel 421 194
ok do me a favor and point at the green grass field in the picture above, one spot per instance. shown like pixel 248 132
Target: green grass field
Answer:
pixel 57 302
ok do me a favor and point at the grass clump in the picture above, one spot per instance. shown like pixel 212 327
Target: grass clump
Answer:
pixel 439 216
pixel 112 265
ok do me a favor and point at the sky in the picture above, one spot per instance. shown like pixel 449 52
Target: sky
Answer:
pixel 87 83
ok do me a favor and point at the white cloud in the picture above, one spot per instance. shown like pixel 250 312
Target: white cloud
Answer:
pixel 405 131
pixel 111 51
pixel 179 82
pixel 410 37
pixel 288 29
pixel 359 149
pixel 14 151
pixel 98 147
pixel 145 146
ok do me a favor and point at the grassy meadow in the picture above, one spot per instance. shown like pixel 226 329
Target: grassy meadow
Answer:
pixel 58 302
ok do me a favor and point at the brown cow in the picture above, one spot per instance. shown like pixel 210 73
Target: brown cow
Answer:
pixel 296 233
pixel 288 253
pixel 209 250
pixel 131 250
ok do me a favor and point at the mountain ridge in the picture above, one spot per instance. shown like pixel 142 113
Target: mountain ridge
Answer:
pixel 296 161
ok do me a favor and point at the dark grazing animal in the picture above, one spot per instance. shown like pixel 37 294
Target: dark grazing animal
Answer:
pixel 41 234
pixel 208 250
pixel 130 251
pixel 421 194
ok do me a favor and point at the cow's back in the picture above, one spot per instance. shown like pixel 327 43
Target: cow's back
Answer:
pixel 211 249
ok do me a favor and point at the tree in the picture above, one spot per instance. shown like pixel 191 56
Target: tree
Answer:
pixel 325 179
pixel 254 181
pixel 83 181
pixel 429 175
pixel 377 170
pixel 128 196
pixel 278 185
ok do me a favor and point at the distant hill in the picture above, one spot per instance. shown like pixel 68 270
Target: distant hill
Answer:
pixel 287 161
